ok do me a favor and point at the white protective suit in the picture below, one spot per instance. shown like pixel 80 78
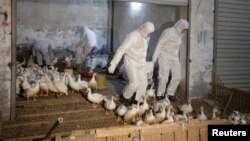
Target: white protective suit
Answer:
pixel 167 53
pixel 134 48
pixel 85 45
pixel 42 50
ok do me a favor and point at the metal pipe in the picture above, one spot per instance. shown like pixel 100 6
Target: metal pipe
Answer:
pixel 59 120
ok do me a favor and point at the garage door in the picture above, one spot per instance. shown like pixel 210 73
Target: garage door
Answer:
pixel 232 42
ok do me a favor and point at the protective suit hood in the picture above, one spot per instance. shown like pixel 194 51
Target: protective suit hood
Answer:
pixel 146 28
pixel 181 25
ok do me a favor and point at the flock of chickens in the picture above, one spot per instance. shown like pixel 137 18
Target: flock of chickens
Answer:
pixel 32 80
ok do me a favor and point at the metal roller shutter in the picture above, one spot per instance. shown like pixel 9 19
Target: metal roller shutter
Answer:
pixel 232 43
pixel 168 2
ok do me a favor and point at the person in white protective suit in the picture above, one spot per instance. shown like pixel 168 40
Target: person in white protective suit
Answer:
pixel 84 46
pixel 134 48
pixel 167 53
pixel 43 52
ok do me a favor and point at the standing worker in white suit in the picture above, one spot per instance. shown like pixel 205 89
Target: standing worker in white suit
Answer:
pixel 43 52
pixel 134 48
pixel 84 46
pixel 167 53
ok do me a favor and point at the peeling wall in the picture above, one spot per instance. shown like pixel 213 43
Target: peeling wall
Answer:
pixel 58 20
pixel 5 59
pixel 201 47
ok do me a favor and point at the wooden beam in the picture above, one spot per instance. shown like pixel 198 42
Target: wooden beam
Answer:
pixel 156 129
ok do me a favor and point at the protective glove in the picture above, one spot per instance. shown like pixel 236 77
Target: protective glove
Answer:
pixel 111 68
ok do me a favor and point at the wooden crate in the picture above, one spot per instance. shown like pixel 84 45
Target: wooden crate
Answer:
pixel 195 130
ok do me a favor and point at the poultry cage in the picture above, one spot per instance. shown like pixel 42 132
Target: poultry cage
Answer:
pixel 231 99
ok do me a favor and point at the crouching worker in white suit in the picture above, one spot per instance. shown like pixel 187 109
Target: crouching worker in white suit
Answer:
pixel 134 48
pixel 84 46
pixel 167 53
pixel 43 52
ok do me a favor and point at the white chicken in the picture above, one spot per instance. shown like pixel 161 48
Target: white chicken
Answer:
pixel 109 104
pixel 95 98
pixel 170 118
pixel 92 83
pixel 164 102
pixel 61 86
pixel 130 114
pixel 169 107
pixel 215 113
pixel 44 86
pixel 182 117
pixel 74 85
pixel 186 108
pixel 143 107
pixel 161 115
pixel 25 83
pixel 202 116
pixel 151 92
pixel 32 92
pixel 83 84
pixel 149 117
pixel 121 110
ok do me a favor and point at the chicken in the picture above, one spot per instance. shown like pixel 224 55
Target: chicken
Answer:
pixel 109 104
pixel 149 117
pixel 161 115
pixel 92 82
pixel 83 84
pixel 143 107
pixel 95 98
pixel 74 85
pixel 25 83
pixel 165 102
pixel 121 110
pixel 216 113
pixel 182 117
pixel 32 92
pixel 187 108
pixel 44 86
pixel 151 92
pixel 202 116
pixel 61 86
pixel 130 114
pixel 170 118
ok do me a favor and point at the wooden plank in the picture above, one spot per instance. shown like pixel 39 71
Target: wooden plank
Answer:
pixel 126 138
pixel 180 135
pixel 115 138
pixel 100 139
pixel 147 138
pixel 168 136
pixel 147 129
pixel 156 137
pixel 193 134
pixel 203 134
pixel 58 137
pixel 156 129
